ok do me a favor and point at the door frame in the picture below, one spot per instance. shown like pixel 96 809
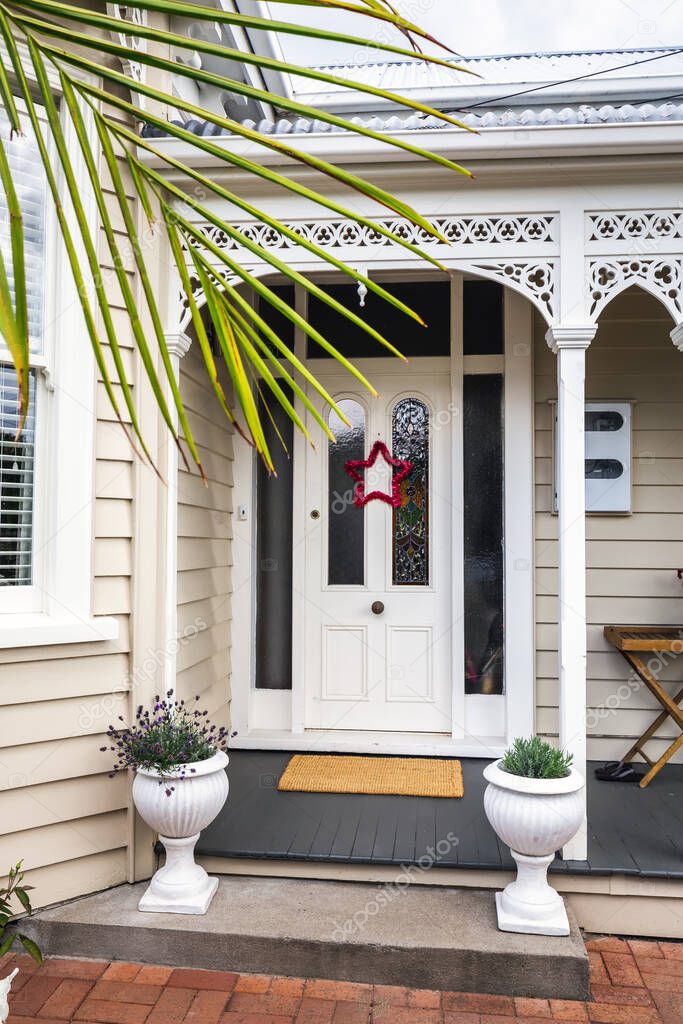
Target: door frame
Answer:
pixel 274 719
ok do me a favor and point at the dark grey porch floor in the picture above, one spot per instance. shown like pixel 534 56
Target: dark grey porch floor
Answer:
pixel 631 831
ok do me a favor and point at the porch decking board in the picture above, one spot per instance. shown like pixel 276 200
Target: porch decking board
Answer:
pixel 631 831
pixel 385 841
pixel 366 834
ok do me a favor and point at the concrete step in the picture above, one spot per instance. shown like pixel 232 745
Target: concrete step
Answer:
pixel 395 934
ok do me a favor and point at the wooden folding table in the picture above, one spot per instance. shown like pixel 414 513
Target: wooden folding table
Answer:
pixel 634 641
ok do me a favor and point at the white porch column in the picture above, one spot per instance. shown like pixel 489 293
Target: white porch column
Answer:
pixel 178 344
pixel 569 343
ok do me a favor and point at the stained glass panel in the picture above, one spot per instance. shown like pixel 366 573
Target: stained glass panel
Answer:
pixel 346 536
pixel 410 525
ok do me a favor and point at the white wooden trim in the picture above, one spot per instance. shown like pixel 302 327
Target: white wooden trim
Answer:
pixel 519 516
pixel 243 567
pixel 367 742
pixel 178 344
pixel 459 728
pixel 483 364
pixel 298 692
pixel 499 145
pixel 65 453
pixel 570 342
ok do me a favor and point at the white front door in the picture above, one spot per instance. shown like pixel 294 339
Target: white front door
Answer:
pixel 377 579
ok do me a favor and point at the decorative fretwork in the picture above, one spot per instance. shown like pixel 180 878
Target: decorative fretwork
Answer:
pixel 663 276
pixel 534 278
pixel 134 69
pixel 477 229
pixel 634 225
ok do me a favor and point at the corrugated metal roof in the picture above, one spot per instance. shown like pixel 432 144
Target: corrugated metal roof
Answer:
pixel 513 69
pixel 650 90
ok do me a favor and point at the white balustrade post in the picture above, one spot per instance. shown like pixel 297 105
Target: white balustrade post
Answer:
pixel 569 342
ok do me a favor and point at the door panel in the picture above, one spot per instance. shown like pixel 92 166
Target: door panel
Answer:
pixel 344 675
pixel 388 670
pixel 410 674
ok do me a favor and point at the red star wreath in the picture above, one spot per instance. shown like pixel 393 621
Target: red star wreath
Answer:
pixel 353 466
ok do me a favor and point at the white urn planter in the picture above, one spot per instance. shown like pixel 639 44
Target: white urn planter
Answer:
pixel 5 986
pixel 181 886
pixel 535 817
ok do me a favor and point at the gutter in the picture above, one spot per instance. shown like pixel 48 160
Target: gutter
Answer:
pixel 492 144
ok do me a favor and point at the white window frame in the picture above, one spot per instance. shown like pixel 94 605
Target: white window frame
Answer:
pixel 57 607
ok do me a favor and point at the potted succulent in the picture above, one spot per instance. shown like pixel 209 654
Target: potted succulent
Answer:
pixel 534 804
pixel 180 786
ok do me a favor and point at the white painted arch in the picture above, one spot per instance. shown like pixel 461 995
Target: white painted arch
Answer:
pixel 535 280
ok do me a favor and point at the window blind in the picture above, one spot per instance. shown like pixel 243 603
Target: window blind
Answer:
pixel 29 182
pixel 17 455
pixel 17 475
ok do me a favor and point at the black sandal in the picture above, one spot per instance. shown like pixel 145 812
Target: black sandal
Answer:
pixel 617 771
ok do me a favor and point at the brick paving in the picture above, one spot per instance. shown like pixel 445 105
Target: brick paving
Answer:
pixel 633 982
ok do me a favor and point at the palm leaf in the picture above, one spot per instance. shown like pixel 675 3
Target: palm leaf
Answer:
pixel 82 288
pixel 83 44
pixel 381 12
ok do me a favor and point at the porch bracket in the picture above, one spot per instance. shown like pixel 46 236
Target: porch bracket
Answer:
pixel 178 344
pixel 569 342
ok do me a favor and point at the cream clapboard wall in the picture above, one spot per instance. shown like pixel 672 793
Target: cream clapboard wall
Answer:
pixel 204 548
pixel 59 810
pixel 631 559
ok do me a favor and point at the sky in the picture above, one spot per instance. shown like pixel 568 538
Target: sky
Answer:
pixel 474 27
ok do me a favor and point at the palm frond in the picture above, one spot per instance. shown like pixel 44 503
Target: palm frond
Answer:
pixel 91 53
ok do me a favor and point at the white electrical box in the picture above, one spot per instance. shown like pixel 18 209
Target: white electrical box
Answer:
pixel 608 456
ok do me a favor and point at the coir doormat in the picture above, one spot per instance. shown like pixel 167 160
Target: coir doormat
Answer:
pixel 387 776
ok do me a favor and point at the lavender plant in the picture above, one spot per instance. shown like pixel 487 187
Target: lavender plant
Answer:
pixel 167 738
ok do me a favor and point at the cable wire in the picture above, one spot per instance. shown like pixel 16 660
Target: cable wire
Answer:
pixel 567 81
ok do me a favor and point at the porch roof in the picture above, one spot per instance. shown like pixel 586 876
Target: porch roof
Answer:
pixel 625 86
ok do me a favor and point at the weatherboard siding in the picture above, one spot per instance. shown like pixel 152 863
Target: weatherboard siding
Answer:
pixel 61 813
pixel 631 559
pixel 204 548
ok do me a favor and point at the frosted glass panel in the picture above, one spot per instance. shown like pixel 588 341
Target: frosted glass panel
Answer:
pixel 410 533
pixel 346 537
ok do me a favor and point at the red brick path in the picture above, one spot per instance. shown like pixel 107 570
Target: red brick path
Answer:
pixel 632 983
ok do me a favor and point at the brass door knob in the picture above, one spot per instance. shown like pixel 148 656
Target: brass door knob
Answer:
pixel 377 607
